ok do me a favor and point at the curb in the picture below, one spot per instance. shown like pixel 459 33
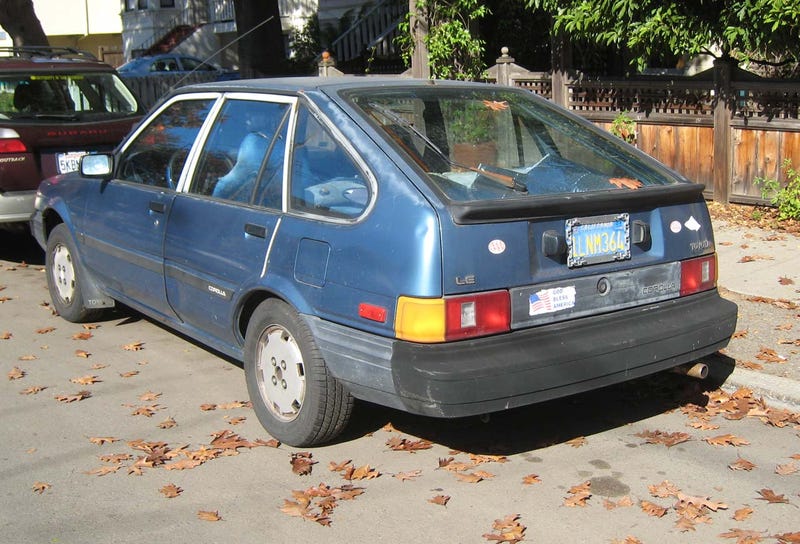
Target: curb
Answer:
pixel 782 393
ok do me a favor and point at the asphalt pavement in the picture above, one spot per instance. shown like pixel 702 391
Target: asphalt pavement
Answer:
pixel 759 269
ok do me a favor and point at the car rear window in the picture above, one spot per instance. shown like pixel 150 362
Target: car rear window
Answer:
pixel 488 143
pixel 69 96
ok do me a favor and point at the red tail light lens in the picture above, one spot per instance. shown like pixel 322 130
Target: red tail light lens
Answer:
pixel 12 145
pixel 698 274
pixel 477 315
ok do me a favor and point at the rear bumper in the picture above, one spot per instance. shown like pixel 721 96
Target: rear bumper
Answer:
pixel 527 366
pixel 16 206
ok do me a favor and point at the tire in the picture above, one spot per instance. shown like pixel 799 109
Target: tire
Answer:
pixel 295 398
pixel 64 278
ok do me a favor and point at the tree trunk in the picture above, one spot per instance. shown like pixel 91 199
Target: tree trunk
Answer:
pixel 261 52
pixel 19 19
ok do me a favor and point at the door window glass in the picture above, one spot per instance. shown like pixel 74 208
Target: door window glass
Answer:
pixel 244 135
pixel 325 180
pixel 159 152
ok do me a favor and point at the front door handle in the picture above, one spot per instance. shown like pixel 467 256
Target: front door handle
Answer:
pixel 255 230
pixel 158 207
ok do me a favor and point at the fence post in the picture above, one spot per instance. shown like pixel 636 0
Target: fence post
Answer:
pixel 561 63
pixel 327 66
pixel 723 112
pixel 503 67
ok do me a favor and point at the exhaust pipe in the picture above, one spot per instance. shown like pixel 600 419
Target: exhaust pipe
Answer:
pixel 696 370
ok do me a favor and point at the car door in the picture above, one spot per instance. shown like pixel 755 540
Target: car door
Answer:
pixel 219 230
pixel 125 218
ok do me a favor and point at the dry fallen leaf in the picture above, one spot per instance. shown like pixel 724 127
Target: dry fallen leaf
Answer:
pixel 398 443
pixel 577 442
pixel 28 358
pixel 41 487
pixel 744 536
pixel 302 462
pixel 81 336
pixel 579 494
pixel 508 529
pixel 660 437
pixel 208 407
pixel 45 330
pixel 785 470
pixel 472 478
pixel 531 479
pixel 5 335
pixel 742 513
pixel 170 491
pixel 135 346
pixel 664 489
pixel 100 440
pixel 741 464
pixel 652 509
pixel 364 472
pixel 167 423
pixel 102 471
pixel 207 515
pixel 129 374
pixel 80 395
pixel 727 440
pixel 769 355
pixel 770 496
pixel 86 380
pixel 409 475
pixel 441 500
pixel 32 390
pixel 783 280
pixel 16 373
pixel 183 464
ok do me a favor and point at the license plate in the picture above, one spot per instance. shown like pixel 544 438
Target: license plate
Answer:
pixel 602 239
pixel 69 162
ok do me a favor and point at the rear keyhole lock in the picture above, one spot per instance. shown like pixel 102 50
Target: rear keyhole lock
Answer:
pixel 603 287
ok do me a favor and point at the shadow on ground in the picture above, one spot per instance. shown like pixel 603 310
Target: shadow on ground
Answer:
pixel 18 246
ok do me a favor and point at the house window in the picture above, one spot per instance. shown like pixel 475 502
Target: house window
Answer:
pixel 167 3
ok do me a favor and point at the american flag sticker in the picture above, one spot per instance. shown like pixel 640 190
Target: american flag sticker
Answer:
pixel 551 300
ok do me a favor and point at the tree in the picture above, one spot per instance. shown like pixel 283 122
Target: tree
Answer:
pixel 261 47
pixel 454 50
pixel 19 19
pixel 760 31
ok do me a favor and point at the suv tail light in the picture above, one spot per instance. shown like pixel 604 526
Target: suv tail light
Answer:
pixel 452 318
pixel 698 274
pixel 10 142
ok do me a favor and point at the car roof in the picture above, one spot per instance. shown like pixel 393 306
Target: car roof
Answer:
pixel 310 83
pixel 48 59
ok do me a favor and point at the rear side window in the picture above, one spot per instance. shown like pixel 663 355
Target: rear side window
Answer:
pixel 157 155
pixel 68 97
pixel 324 177
pixel 245 144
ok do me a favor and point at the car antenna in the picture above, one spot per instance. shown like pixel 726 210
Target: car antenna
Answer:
pixel 220 50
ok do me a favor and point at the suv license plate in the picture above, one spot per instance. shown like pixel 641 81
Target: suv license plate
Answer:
pixel 602 239
pixel 69 162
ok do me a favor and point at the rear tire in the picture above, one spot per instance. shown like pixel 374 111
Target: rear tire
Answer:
pixel 294 396
pixel 65 279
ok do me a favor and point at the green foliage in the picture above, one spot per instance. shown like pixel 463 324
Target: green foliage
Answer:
pixel 453 51
pixel 306 47
pixel 470 122
pixel 786 198
pixel 624 127
pixel 759 30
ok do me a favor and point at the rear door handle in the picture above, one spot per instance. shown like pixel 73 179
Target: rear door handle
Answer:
pixel 158 207
pixel 255 230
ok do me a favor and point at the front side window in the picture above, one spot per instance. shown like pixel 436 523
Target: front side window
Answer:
pixel 324 178
pixel 244 143
pixel 494 143
pixel 157 155
pixel 71 97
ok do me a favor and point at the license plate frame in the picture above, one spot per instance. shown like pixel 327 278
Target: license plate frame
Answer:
pixel 69 161
pixel 598 239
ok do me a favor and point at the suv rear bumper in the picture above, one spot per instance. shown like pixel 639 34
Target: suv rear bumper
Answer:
pixel 526 366
pixel 16 206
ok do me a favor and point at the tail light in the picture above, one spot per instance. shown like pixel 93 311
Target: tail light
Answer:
pixel 10 142
pixel 452 318
pixel 698 274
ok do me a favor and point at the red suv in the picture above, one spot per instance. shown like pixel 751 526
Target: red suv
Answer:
pixel 56 104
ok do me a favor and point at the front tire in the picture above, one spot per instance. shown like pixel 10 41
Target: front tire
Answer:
pixel 294 396
pixel 64 278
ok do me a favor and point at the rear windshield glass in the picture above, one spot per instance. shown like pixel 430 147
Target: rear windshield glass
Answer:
pixel 494 143
pixel 74 96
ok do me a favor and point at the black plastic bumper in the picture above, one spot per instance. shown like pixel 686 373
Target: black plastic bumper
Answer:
pixel 527 366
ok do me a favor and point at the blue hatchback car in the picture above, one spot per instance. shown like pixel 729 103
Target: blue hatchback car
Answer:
pixel 444 248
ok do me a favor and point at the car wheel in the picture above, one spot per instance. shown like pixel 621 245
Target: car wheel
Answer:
pixel 295 398
pixel 64 279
